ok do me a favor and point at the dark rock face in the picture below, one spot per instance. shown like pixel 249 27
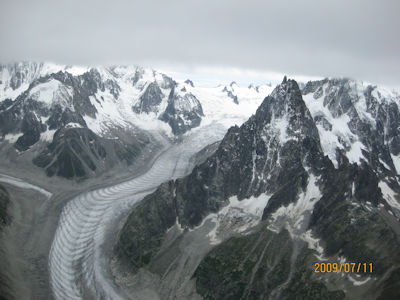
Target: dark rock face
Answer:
pixel 6 288
pixel 85 86
pixel 183 112
pixel 62 117
pixel 234 97
pixel 150 99
pixel 113 87
pixel 258 266
pixel 68 156
pixel 242 255
pixel 78 152
pixel 148 224
pixel 278 152
pixel 168 82
pixel 31 128
pixel 205 153
pixel 347 218
pixel 231 95
pixel 73 94
pixel 5 104
pixel 4 202
pixel 189 82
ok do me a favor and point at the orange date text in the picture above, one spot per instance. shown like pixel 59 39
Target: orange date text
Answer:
pixel 350 267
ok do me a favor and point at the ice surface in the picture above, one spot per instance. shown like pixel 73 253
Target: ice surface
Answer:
pixel 389 195
pixel 219 107
pixel 76 248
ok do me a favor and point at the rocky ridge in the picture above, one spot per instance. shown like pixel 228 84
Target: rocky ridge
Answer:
pixel 275 183
pixel 41 102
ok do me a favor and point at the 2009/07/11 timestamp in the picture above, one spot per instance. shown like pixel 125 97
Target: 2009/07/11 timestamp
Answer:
pixel 343 267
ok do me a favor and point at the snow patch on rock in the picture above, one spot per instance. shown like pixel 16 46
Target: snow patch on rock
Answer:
pixel 237 216
pixel 53 92
pixel 292 217
pixel 335 135
pixel 12 137
pixel 389 195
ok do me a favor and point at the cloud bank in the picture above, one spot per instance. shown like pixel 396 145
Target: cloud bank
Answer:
pixel 357 38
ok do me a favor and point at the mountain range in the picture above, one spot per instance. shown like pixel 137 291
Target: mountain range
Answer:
pixel 287 176
pixel 311 177
pixel 79 122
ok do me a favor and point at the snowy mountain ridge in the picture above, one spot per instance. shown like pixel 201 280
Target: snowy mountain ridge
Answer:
pixel 37 99
pixel 302 175
pixel 117 104
pixel 275 198
pixel 127 94
pixel 349 114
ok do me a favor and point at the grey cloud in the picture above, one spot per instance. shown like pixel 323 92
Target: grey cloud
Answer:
pixel 356 38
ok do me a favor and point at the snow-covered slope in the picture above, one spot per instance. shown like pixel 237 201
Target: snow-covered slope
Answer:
pixel 218 106
pixel 359 119
pixel 16 78
pixel 120 96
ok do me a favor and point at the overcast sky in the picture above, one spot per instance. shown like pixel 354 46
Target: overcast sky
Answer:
pixel 359 38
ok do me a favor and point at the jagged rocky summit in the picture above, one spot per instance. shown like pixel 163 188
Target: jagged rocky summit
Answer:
pixel 312 177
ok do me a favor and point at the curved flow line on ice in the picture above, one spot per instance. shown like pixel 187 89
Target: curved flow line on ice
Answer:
pixel 75 253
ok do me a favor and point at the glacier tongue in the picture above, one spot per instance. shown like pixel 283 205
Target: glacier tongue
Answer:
pixel 75 256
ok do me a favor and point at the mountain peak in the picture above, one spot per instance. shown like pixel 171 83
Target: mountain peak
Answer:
pixel 284 117
pixel 288 91
pixel 189 82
